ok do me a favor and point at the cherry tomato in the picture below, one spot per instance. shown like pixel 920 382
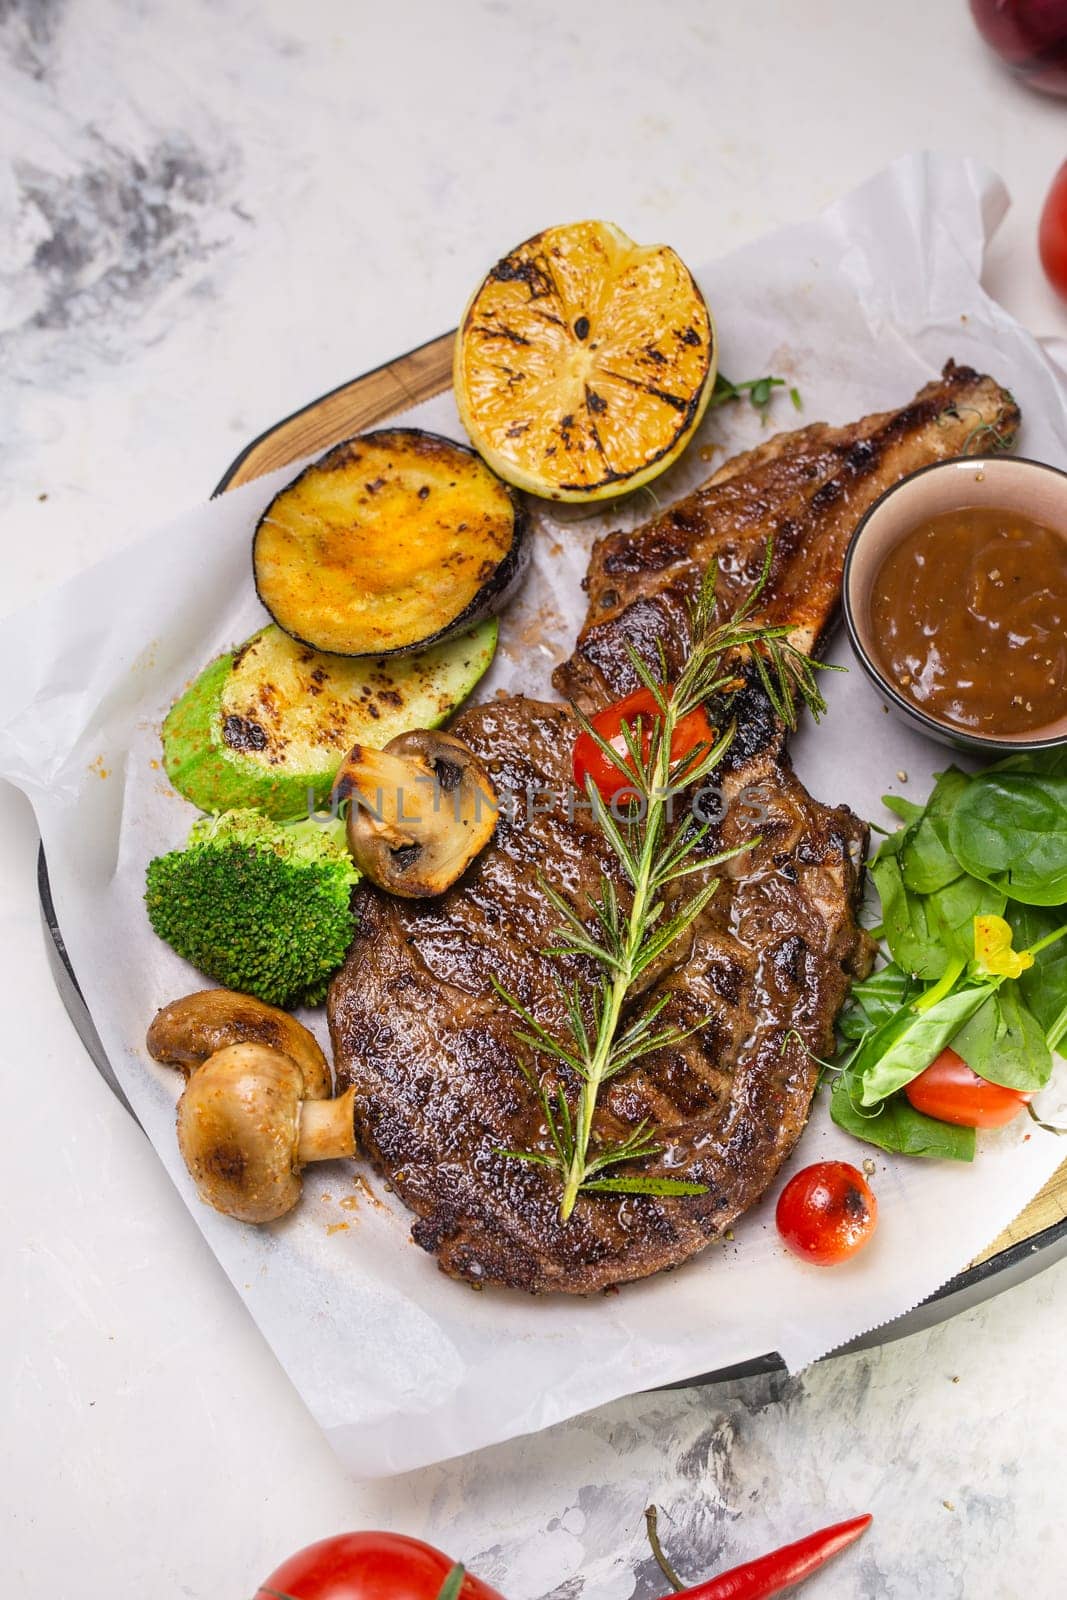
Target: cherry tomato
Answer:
pixel 951 1092
pixel 826 1212
pixel 1052 233
pixel 591 762
pixel 368 1566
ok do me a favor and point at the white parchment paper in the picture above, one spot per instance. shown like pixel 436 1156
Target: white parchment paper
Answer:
pixel 400 1365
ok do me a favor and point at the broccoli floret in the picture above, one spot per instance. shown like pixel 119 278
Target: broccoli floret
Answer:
pixel 260 906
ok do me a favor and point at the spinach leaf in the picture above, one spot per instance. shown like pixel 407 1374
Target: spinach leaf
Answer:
pixel 898 1127
pixel 1004 1042
pixel 853 1023
pixel 925 930
pixel 1047 763
pixel 1044 986
pixel 1056 1032
pixel 925 858
pixel 875 1000
pixel 951 911
pixel 913 943
pixel 1010 829
pixel 1023 1059
pixel 904 1046
pixel 906 810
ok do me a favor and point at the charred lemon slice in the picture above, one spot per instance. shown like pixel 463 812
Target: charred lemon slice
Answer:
pixel 584 362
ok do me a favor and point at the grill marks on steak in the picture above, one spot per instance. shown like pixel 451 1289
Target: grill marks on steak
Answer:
pixel 419 1030
pixel 416 1024
pixel 808 488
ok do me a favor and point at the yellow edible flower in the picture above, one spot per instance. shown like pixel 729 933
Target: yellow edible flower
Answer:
pixel 993 951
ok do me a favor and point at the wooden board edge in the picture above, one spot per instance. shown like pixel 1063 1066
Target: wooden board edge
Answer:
pixel 349 409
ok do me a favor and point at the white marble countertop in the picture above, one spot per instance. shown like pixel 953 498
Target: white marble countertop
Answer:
pixel 212 212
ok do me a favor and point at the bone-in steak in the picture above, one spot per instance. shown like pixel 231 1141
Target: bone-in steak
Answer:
pixel 809 489
pixel 419 1030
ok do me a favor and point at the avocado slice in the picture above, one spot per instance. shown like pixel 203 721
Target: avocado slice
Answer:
pixel 268 724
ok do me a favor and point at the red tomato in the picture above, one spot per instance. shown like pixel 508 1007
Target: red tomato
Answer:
pixel 368 1566
pixel 1030 35
pixel 951 1092
pixel 826 1212
pixel 591 762
pixel 1052 234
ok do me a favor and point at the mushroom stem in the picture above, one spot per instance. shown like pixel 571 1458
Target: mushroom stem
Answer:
pixel 326 1129
pixel 245 1129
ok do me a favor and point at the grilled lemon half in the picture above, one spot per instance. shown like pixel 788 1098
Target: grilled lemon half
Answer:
pixel 584 362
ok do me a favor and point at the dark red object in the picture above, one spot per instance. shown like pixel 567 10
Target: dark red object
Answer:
pixel 951 1092
pixel 591 762
pixel 1052 233
pixel 372 1566
pixel 826 1212
pixel 780 1570
pixel 1030 35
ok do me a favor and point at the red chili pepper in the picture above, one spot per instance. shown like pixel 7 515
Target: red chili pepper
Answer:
pixel 781 1569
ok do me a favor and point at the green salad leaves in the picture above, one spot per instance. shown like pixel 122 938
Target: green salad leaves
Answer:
pixel 972 889
pixel 897 1127
pixel 1044 986
pixel 1010 830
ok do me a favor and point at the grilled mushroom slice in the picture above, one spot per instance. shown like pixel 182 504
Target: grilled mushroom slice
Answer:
pixel 419 811
pixel 186 1032
pixel 245 1130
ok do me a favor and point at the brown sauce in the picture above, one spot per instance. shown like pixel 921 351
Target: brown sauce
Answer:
pixel 969 617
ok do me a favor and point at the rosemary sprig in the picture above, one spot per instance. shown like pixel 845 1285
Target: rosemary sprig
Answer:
pixel 600 1043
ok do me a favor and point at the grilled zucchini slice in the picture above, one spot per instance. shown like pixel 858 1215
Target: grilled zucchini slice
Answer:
pixel 268 724
pixel 391 542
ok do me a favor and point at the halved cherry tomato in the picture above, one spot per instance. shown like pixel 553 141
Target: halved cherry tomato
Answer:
pixel 1052 233
pixel 951 1092
pixel 826 1212
pixel 371 1566
pixel 591 762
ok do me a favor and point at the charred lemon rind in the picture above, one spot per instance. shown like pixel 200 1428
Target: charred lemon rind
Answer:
pixel 584 363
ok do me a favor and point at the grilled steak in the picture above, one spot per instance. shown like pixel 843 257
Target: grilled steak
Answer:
pixel 441 1092
pixel 416 1024
pixel 809 489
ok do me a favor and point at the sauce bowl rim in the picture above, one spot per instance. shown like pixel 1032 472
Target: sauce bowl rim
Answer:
pixel 1000 744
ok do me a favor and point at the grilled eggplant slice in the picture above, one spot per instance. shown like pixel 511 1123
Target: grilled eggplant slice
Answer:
pixel 391 542
pixel 270 723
